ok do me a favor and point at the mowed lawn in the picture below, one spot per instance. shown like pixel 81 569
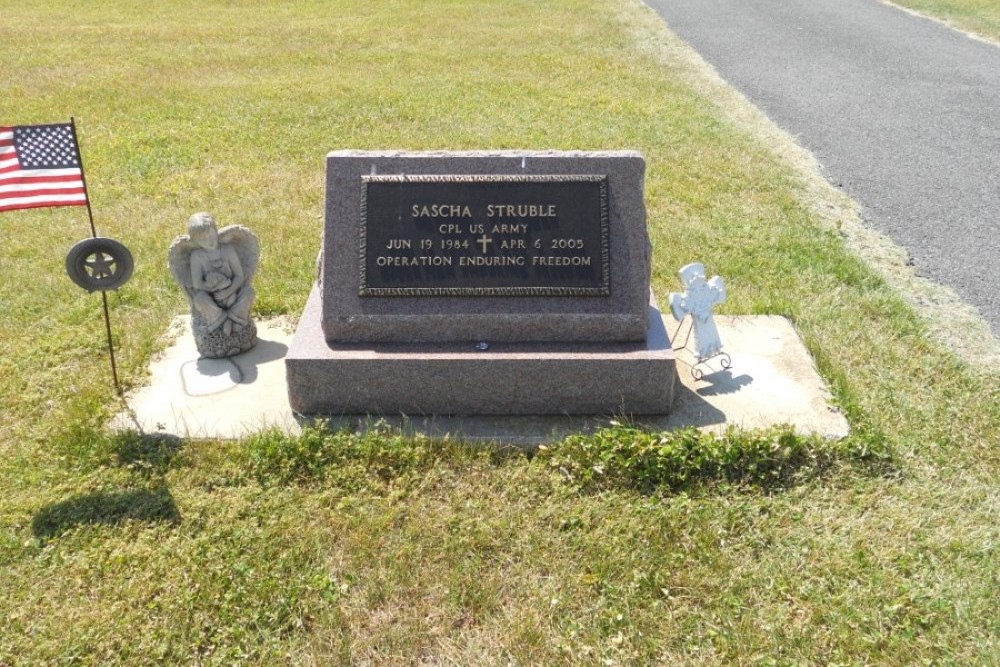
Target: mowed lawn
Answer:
pixel 618 549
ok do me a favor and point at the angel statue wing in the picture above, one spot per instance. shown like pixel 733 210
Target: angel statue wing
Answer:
pixel 247 247
pixel 179 262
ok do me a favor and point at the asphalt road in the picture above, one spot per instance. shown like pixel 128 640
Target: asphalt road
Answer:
pixel 902 112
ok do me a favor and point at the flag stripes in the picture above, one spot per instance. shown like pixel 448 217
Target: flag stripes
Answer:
pixel 32 187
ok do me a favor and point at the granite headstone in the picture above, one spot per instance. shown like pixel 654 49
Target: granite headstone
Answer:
pixel 513 282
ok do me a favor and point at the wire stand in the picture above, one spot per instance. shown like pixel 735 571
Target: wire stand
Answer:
pixel 700 364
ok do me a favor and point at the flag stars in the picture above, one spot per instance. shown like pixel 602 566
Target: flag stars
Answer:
pixel 46 147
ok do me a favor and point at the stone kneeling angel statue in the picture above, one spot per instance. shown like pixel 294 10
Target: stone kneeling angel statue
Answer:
pixel 215 267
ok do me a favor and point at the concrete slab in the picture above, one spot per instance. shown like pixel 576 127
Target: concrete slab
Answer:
pixel 214 398
pixel 772 381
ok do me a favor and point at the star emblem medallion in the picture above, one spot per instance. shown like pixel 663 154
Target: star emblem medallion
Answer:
pixel 99 264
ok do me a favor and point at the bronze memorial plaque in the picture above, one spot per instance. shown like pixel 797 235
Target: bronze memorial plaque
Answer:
pixel 484 235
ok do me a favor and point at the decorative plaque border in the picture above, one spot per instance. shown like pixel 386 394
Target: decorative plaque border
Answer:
pixel 603 290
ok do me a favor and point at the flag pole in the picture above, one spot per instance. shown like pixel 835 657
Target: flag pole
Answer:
pixel 93 233
pixel 83 177
pixel 111 346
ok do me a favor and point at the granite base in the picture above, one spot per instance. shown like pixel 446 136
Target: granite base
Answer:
pixel 458 379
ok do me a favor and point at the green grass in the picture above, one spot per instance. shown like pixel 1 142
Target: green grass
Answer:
pixel 621 548
pixel 981 17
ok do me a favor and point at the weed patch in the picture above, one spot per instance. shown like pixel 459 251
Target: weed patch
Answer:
pixel 620 457
pixel 346 458
pixel 629 458
pixel 87 448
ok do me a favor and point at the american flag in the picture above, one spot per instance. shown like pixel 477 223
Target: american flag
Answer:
pixel 40 166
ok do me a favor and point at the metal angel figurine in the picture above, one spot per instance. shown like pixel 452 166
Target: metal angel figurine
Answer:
pixel 215 267
pixel 697 301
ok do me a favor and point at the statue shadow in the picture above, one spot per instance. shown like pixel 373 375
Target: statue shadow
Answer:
pixel 152 505
pixel 723 382
pixel 216 368
pixel 264 352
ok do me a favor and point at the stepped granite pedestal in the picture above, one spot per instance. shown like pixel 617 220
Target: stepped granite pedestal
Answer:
pixel 496 283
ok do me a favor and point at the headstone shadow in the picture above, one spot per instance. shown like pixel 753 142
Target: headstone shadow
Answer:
pixel 692 410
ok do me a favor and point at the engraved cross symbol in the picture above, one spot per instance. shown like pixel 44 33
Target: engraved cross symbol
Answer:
pixel 484 241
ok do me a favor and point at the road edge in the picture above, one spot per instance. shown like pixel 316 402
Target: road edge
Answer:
pixel 949 320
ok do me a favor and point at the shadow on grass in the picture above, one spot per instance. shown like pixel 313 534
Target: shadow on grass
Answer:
pixel 154 505
pixel 148 454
